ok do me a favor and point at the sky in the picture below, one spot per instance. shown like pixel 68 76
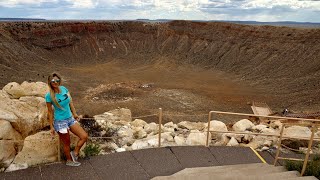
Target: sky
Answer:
pixel 232 10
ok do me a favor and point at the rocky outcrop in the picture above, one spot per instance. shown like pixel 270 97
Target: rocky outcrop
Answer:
pixel 24 106
pixel 7 153
pixel 15 90
pixel 7 132
pixel 37 149
pixel 138 134
pixel 10 142
pixel 22 112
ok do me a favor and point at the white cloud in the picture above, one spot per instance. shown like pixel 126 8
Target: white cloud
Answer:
pixel 293 4
pixel 82 3
pixel 259 10
pixel 13 3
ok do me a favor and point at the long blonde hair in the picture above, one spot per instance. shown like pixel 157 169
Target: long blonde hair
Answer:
pixel 52 93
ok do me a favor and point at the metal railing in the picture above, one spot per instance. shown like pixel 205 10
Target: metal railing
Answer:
pixel 280 136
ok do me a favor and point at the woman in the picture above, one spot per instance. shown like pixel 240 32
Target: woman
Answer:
pixel 62 116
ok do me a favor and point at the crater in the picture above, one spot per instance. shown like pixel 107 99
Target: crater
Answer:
pixel 191 67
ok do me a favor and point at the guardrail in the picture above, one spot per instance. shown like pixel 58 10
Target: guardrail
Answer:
pixel 280 136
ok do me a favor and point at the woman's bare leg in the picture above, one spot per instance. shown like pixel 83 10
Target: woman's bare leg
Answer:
pixel 65 138
pixel 79 131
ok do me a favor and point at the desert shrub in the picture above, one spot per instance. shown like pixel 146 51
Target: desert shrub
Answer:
pixel 313 167
pixel 91 149
pixel 94 129
pixel 110 132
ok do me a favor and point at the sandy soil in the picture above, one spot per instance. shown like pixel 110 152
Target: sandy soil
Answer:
pixel 178 90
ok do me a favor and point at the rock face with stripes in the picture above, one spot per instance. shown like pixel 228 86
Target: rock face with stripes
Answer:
pixel 281 58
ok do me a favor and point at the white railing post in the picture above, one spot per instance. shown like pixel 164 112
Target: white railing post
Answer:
pixel 209 119
pixel 160 122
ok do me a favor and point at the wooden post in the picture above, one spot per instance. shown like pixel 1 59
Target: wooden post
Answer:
pixel 160 122
pixel 209 119
pixel 59 156
pixel 279 145
pixel 308 151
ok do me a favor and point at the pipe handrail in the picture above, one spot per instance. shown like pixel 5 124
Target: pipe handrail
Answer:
pixel 275 117
pixel 280 136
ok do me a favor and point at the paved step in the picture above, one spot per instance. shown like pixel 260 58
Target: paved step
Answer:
pixel 245 168
pixel 304 178
pixel 232 176
pixel 239 176
pixel 257 171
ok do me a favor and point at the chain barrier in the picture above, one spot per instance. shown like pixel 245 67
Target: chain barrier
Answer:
pixel 175 115
pixel 50 139
pixel 136 117
pixel 291 149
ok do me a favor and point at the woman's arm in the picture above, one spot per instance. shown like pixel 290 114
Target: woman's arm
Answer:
pixel 50 117
pixel 73 109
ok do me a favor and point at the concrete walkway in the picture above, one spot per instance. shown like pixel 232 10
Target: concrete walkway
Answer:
pixel 143 164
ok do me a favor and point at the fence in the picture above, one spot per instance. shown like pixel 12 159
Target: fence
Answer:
pixel 280 136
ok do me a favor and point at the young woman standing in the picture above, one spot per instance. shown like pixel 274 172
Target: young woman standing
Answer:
pixel 62 118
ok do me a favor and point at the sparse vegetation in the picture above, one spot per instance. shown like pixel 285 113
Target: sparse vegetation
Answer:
pixel 313 167
pixel 119 93
pixel 91 149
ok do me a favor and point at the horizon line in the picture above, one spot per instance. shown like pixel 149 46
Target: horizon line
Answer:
pixel 145 19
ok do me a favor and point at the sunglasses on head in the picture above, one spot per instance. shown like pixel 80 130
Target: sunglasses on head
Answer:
pixel 55 80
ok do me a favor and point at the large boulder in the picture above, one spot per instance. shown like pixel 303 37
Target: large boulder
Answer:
pixel 233 142
pixel 7 115
pixel 122 114
pixel 197 138
pixel 192 125
pixel 138 123
pixel 297 131
pixel 243 125
pixel 24 106
pixel 30 111
pixel 7 153
pixel 125 136
pixel 9 143
pixel 139 132
pixel 114 119
pixel 152 128
pixel 180 140
pixel 37 149
pixel 7 132
pixel 217 126
pixel 139 144
pixel 16 90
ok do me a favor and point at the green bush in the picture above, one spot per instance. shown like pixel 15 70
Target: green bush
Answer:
pixel 313 167
pixel 91 149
